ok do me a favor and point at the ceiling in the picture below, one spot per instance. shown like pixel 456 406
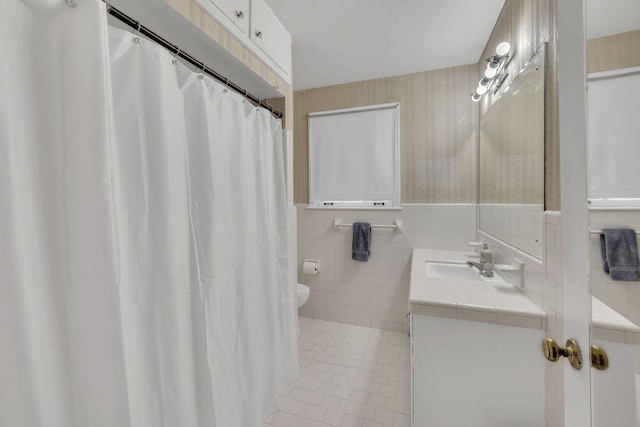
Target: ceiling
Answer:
pixel 338 41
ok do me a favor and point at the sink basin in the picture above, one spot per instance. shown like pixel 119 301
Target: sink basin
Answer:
pixel 443 270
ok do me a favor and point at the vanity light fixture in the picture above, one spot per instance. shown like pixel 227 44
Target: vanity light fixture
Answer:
pixel 495 72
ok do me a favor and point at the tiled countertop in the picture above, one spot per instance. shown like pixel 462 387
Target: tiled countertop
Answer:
pixel 490 302
pixel 609 325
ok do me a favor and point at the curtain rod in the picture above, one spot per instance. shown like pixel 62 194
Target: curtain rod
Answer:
pixel 184 55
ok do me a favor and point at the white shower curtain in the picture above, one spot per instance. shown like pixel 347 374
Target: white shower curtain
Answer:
pixel 143 234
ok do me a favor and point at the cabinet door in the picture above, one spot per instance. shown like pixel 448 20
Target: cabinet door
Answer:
pixel 270 35
pixel 233 14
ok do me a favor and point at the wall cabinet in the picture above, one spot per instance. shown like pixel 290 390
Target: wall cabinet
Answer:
pixel 232 13
pixel 255 25
pixel 268 33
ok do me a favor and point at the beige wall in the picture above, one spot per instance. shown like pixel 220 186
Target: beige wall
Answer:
pixel 280 104
pixel 527 24
pixel 438 125
pixel 614 52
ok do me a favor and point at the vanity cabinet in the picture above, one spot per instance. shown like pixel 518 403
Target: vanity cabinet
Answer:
pixel 613 391
pixel 476 353
pixel 475 374
pixel 255 25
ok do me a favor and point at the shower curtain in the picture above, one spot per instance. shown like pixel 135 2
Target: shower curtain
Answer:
pixel 144 273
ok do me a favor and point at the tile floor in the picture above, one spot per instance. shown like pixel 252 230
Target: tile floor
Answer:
pixel 351 376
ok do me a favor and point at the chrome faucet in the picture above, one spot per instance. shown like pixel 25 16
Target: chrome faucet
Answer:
pixel 485 269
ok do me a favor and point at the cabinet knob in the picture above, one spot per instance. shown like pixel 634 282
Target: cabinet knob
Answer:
pixel 240 14
pixel 259 34
pixel 552 351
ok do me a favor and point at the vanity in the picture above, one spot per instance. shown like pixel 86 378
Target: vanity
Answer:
pixel 475 346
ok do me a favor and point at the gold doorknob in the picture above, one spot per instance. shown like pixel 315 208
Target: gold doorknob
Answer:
pixel 599 359
pixel 552 351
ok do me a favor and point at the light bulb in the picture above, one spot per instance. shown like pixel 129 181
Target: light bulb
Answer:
pixel 503 49
pixel 475 97
pixel 490 72
pixel 481 90
pixel 484 82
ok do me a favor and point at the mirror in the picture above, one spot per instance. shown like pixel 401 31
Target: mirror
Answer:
pixel 511 161
pixel 613 82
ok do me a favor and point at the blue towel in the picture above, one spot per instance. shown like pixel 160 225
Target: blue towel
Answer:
pixel 620 254
pixel 361 244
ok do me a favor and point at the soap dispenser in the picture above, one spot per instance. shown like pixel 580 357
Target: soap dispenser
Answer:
pixel 486 256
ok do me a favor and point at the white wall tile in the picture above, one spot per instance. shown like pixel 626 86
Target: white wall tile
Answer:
pixel 374 293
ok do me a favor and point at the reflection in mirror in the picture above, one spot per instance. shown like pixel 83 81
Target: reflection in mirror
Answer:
pixel 511 175
pixel 613 32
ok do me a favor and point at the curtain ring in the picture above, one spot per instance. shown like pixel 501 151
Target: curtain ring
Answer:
pixel 177 55
pixel 137 39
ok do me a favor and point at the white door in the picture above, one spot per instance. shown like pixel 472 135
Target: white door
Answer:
pixel 575 260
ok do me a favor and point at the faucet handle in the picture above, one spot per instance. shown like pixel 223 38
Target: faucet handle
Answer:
pixel 476 244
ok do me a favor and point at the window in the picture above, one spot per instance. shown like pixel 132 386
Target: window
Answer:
pixel 613 149
pixel 354 157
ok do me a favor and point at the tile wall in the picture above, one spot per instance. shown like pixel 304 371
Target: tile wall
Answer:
pixel 517 223
pixel 624 297
pixel 374 293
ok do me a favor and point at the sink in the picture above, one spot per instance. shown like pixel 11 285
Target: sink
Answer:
pixel 443 270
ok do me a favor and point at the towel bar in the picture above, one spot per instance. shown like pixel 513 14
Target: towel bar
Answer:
pixel 397 225
pixel 600 232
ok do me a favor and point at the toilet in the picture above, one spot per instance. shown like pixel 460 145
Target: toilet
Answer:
pixel 302 294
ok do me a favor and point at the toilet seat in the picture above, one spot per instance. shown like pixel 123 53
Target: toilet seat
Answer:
pixel 302 294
